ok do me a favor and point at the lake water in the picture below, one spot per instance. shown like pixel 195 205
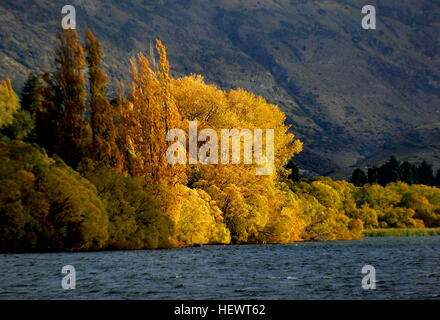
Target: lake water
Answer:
pixel 406 268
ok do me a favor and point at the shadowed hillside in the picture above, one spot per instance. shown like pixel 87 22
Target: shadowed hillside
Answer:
pixel 345 89
pixel 414 145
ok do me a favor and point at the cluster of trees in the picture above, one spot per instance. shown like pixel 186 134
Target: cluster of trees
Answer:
pixel 393 171
pixel 80 172
pixel 125 194
pixel 45 205
pixel 397 205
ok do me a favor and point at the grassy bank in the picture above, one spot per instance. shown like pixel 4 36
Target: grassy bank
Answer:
pixel 402 232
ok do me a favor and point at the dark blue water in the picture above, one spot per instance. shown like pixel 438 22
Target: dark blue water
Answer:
pixel 406 268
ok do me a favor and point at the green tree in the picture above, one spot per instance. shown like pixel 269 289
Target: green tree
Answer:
pixel 21 127
pixel 437 178
pixel 373 174
pixel 15 123
pixel 389 172
pixel 294 173
pixel 61 125
pixel 424 174
pixel 407 171
pixel 45 205
pixel 358 178
pixel 103 148
pixel 24 124
pixel 136 217
pixel 31 97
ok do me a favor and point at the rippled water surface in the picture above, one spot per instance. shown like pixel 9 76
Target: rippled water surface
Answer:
pixel 406 268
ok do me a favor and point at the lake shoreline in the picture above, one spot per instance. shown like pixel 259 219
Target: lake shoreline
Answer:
pixel 390 232
pixel 404 232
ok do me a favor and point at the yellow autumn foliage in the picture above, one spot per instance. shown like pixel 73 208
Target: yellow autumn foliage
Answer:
pixel 199 220
pixel 137 200
pixel 9 102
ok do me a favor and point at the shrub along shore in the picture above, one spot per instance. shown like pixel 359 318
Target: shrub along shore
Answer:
pixel 406 232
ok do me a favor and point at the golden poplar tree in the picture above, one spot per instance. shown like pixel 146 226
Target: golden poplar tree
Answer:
pixel 147 117
pixel 103 147
pixel 8 102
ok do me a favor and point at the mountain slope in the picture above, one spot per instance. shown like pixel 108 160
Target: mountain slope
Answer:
pixel 346 90
pixel 415 145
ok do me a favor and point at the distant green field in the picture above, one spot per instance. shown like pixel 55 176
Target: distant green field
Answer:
pixel 402 232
